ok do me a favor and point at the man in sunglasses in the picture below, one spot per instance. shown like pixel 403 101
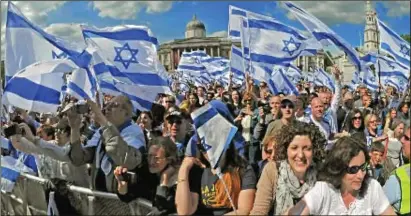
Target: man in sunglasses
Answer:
pixel 176 128
pixel 287 116
pixel 397 187
pixel 118 142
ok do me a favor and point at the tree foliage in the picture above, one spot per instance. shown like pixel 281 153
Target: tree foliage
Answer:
pixel 406 37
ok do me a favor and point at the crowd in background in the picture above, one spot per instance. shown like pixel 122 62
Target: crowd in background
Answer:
pixel 321 152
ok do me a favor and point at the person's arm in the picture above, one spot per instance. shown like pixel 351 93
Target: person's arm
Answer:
pixel 52 150
pixel 186 201
pixel 299 209
pixel 118 148
pixel 78 155
pixel 24 145
pixel 266 190
pixel 245 202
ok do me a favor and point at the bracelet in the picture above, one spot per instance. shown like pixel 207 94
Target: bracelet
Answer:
pixel 181 180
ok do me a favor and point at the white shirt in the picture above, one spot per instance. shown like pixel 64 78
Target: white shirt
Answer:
pixel 324 126
pixel 324 199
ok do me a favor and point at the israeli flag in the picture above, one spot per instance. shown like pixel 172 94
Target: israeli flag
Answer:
pixel 369 79
pixel 355 80
pixel 129 53
pixel 287 47
pixel 394 45
pixel 38 87
pixel 235 20
pixel 322 78
pixel 214 131
pixel 216 66
pixel 190 63
pixel 391 68
pixel 325 36
pixel 10 172
pixel 237 63
pixel 27 44
pixel 293 73
pixel 279 83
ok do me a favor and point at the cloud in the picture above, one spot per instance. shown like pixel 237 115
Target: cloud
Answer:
pixel 218 34
pixel 123 10
pixel 67 31
pixel 397 8
pixel 334 12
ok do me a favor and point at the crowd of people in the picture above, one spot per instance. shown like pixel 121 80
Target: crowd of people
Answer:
pixel 321 152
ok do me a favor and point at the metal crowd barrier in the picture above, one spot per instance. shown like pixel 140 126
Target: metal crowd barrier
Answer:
pixel 29 198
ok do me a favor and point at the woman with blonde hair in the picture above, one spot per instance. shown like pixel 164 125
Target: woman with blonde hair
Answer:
pixel 371 130
pixel 391 115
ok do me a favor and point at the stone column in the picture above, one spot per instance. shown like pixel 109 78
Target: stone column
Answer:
pixel 218 51
pixel 172 60
pixel 211 51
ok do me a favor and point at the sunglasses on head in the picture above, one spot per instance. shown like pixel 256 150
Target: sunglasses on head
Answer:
pixel 287 104
pixel 355 169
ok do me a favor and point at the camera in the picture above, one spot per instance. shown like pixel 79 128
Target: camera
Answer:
pixel 264 105
pixel 128 177
pixel 12 130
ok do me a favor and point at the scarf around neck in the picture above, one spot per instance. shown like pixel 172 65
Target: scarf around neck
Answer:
pixel 289 187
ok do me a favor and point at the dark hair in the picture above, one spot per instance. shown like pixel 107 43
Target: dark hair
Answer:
pixel 148 113
pixel 402 104
pixel 338 159
pixel 287 133
pixel 377 146
pixel 170 148
pixel 48 130
pixel 240 98
pixel 197 99
pixel 348 123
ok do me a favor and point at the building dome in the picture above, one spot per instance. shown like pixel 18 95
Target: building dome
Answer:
pixel 195 24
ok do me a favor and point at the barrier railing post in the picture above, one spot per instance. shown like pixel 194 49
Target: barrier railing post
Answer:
pixel 91 200
pixel 25 196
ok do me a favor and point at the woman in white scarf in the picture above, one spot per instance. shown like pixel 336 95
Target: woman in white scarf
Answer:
pixel 284 182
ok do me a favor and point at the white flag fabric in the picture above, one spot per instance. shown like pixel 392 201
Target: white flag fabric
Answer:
pixel 322 78
pixel 27 43
pixel 38 87
pixel 369 79
pixel 323 33
pixel 214 131
pixel 394 45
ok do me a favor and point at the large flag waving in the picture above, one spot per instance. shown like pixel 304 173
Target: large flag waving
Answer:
pixel 323 33
pixel 394 45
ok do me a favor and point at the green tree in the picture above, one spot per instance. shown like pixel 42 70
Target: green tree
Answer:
pixel 406 37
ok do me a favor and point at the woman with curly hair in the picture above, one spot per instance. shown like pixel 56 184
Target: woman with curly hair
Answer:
pixel 344 186
pixel 299 147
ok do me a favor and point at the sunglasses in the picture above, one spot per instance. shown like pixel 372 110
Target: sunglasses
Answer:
pixel 289 105
pixel 357 118
pixel 169 101
pixel 406 138
pixel 201 148
pixel 60 131
pixel 175 120
pixel 355 169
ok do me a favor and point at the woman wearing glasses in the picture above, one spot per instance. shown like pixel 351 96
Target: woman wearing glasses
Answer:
pixel 299 147
pixel 155 180
pixel 343 186
pixel 372 134
pixel 354 122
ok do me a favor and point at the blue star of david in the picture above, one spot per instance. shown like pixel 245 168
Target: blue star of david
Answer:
pixel 372 79
pixel 289 49
pixel 391 65
pixel 401 82
pixel 126 62
pixel 386 82
pixel 405 50
pixel 58 56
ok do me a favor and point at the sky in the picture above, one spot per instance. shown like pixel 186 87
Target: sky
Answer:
pixel 168 19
